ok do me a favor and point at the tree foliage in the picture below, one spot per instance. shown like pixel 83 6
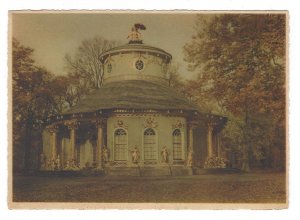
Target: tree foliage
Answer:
pixel 85 65
pixel 240 62
pixel 38 94
pixel 32 102
pixel 175 80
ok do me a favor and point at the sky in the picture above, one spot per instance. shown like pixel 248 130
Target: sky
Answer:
pixel 53 35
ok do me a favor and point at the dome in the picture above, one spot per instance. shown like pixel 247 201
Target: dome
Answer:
pixel 135 60
pixel 135 77
pixel 133 94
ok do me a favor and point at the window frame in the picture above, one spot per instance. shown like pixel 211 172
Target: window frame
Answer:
pixel 155 145
pixel 178 144
pixel 125 144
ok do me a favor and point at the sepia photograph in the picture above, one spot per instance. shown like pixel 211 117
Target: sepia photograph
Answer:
pixel 134 108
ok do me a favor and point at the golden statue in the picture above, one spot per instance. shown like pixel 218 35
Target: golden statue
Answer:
pixel 135 36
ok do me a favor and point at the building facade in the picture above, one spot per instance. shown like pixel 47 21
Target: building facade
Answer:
pixel 134 120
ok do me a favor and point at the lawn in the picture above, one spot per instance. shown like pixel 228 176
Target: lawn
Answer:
pixel 259 187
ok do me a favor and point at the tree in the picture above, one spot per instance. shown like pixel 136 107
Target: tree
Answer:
pixel 85 65
pixel 32 103
pixel 66 92
pixel 174 78
pixel 240 61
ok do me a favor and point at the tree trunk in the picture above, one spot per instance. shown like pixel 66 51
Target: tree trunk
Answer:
pixel 245 164
pixel 246 147
pixel 27 143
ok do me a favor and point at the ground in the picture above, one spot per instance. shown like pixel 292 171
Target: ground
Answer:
pixel 257 187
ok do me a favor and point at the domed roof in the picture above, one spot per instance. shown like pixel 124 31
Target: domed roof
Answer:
pixel 133 94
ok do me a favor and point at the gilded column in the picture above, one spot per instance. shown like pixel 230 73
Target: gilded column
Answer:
pixel 53 131
pixel 100 124
pixel 73 126
pixel 191 135
pixel 219 146
pixel 209 140
pixel 191 126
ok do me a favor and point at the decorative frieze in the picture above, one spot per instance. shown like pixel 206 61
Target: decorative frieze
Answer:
pixel 121 124
pixel 52 128
pixel 193 124
pixel 150 123
pixel 155 60
pixel 108 60
pixel 178 124
pixel 100 122
pixel 77 115
pixel 72 124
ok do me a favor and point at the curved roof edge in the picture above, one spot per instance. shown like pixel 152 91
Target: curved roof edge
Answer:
pixel 127 48
pixel 134 94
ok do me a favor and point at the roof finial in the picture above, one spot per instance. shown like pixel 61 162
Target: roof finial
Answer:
pixel 135 35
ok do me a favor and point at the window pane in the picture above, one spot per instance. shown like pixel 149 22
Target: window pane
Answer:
pixel 120 147
pixel 150 149
pixel 177 146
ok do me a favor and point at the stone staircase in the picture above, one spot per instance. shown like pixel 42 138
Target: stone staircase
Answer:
pixel 149 171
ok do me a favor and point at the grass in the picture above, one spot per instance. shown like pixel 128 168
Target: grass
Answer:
pixel 211 188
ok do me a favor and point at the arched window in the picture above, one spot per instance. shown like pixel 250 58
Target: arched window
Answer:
pixel 150 149
pixel 177 145
pixel 120 148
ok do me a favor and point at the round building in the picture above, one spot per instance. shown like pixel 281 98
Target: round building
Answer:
pixel 135 123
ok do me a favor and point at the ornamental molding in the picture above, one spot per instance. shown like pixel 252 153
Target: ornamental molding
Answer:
pixel 155 60
pixel 140 56
pixel 52 129
pixel 211 126
pixel 193 124
pixel 108 60
pixel 100 122
pixel 72 124
pixel 178 124
pixel 150 123
pixel 120 124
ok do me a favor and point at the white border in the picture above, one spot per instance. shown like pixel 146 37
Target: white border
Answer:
pixel 294 195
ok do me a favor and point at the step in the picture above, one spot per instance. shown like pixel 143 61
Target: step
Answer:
pixel 123 171
pixel 181 171
pixel 156 171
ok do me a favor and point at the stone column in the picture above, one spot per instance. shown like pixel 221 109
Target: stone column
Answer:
pixel 100 125
pixel 191 126
pixel 73 126
pixel 53 131
pixel 219 146
pixel 73 143
pixel 210 152
pixel 190 140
